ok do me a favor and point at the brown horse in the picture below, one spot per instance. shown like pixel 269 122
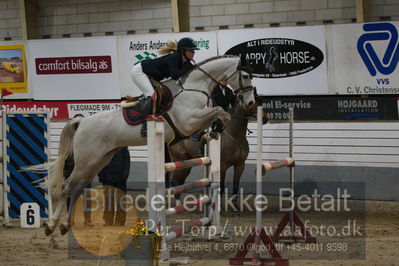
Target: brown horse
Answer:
pixel 234 149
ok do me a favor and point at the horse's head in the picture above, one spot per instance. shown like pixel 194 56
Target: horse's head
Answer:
pixel 241 82
pixel 219 68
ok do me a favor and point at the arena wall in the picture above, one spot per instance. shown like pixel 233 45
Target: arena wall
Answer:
pixel 365 152
pixel 10 21
pixel 322 155
pixel 77 18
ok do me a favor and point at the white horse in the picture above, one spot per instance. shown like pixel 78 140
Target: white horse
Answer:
pixel 94 140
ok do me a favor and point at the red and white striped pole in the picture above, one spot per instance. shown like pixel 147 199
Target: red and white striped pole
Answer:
pixel 174 166
pixel 189 186
pixel 268 166
pixel 181 208
pixel 182 230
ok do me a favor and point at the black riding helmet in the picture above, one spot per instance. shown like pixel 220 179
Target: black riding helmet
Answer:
pixel 186 44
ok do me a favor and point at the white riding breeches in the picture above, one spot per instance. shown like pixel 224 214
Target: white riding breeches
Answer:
pixel 141 80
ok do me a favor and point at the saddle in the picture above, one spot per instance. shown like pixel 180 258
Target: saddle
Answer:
pixel 135 113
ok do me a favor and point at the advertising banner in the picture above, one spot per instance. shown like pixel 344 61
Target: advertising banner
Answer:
pixel 335 108
pixel 62 110
pixel 13 68
pixel 134 49
pixel 285 61
pixel 365 57
pixel 74 69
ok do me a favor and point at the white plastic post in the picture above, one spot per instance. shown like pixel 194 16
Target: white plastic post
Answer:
pixel 290 154
pixel 156 181
pixel 214 176
pixel 259 179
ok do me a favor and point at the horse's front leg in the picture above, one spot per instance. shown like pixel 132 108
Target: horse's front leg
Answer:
pixel 205 117
pixel 238 170
pixel 218 112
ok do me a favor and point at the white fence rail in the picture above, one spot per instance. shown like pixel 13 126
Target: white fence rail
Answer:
pixel 374 144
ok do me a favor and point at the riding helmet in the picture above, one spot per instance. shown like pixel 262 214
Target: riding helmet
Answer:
pixel 187 44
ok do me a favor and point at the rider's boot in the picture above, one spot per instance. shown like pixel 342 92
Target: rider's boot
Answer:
pixel 196 137
pixel 146 107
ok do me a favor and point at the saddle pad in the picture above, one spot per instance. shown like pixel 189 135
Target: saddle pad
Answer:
pixel 134 115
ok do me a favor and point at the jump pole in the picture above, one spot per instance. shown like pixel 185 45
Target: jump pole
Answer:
pixel 156 185
pixel 291 167
pixel 259 183
pixel 213 210
pixel 291 218
pixel 156 180
pixel 259 234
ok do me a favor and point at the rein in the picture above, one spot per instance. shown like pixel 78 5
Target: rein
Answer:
pixel 184 89
pixel 241 88
pixel 180 136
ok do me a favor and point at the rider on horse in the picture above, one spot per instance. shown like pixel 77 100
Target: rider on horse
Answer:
pixel 175 62
pixel 223 96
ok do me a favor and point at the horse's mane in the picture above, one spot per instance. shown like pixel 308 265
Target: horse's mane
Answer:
pixel 213 58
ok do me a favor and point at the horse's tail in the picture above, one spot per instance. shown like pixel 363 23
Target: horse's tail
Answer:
pixel 55 176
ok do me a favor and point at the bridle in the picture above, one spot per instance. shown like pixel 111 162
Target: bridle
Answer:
pixel 241 86
pixel 236 91
pixel 240 97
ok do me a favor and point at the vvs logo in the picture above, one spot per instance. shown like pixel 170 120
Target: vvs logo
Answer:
pixel 379 32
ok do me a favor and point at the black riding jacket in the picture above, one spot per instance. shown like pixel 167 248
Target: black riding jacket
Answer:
pixel 226 101
pixel 170 65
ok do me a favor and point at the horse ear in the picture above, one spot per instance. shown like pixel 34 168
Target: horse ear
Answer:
pixel 242 63
pixel 247 63
pixel 239 64
pixel 251 66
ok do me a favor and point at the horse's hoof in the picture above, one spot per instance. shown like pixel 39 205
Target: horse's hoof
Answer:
pixel 47 229
pixel 63 229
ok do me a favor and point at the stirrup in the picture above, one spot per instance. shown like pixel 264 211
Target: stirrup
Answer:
pixel 125 104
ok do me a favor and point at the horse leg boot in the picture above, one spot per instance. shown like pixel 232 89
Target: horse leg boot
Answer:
pixel 216 128
pixel 146 108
